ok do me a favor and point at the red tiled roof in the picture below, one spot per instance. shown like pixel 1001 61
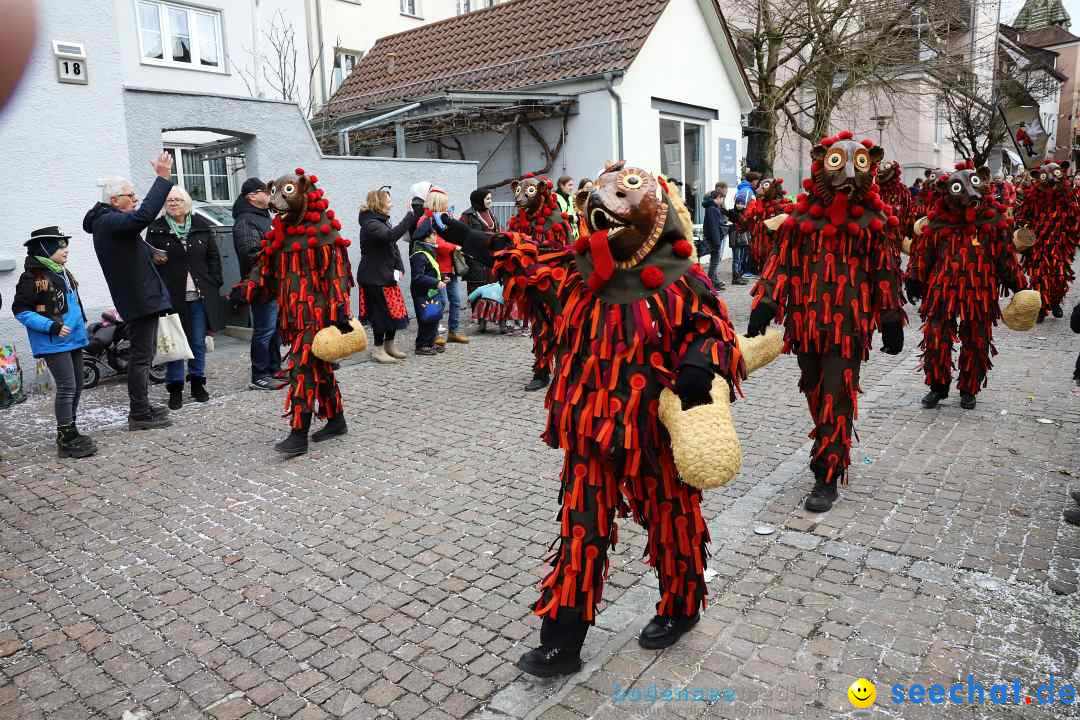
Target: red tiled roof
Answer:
pixel 511 46
pixel 1046 36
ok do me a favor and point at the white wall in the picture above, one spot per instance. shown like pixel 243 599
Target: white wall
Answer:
pixel 58 139
pixel 679 62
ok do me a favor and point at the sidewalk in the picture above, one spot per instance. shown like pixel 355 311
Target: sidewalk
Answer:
pixel 190 573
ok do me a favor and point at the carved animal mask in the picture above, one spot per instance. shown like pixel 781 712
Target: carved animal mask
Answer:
pixel 845 166
pixel 888 170
pixel 530 193
pixel 630 205
pixel 1050 173
pixel 962 189
pixel 288 197
pixel 771 189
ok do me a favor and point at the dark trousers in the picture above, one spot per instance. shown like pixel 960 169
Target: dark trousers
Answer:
pixel 385 337
pixel 739 256
pixel 142 333
pixel 716 253
pixel 426 333
pixel 67 372
pixel 265 341
pixel 831 385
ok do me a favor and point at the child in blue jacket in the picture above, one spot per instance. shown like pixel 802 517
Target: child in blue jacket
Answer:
pixel 424 285
pixel 47 303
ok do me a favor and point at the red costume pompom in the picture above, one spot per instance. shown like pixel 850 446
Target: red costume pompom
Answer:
pixel 652 277
pixel 808 184
pixel 682 248
pixel 311 230
pixel 853 229
pixel 295 247
pixel 816 211
pixel 828 142
pixel 324 229
pixel 336 224
pixel 313 178
pixel 829 231
pixel 312 242
pixel 867 143
pixel 856 211
pixel 806 227
pixel 802 207
pixel 844 135
pixel 876 224
pixel 298 171
pixel 330 214
pixel 894 221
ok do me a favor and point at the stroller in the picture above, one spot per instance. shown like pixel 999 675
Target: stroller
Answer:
pixel 108 351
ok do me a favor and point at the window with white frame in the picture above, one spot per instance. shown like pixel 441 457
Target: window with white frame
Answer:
pixel 344 62
pixel 411 7
pixel 180 36
pixel 682 157
pixel 206 179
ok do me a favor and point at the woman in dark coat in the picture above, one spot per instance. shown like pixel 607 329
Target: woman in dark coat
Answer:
pixel 479 217
pixel 191 270
pixel 382 304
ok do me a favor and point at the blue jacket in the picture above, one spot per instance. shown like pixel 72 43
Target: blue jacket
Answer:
pixel 713 226
pixel 126 260
pixel 744 194
pixel 44 303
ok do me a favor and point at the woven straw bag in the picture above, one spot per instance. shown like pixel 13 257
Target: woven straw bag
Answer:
pixel 1022 311
pixel 905 246
pixel 775 221
pixel 330 345
pixel 703 439
pixel 1023 238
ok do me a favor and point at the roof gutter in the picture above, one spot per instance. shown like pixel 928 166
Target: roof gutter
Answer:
pixel 608 79
pixel 343 133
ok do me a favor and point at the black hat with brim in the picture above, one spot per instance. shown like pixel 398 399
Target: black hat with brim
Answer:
pixel 47 239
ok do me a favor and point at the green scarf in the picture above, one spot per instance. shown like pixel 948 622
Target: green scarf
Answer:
pixel 51 264
pixel 180 231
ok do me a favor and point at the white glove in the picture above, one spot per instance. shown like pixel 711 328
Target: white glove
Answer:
pixel 397 276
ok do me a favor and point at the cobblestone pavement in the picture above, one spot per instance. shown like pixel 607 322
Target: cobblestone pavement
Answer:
pixel 190 573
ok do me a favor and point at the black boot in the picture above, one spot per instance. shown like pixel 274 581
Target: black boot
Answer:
pixel 198 389
pixel 1058 312
pixel 297 441
pixel 176 395
pixel 1072 516
pixel 539 382
pixel 824 494
pixel 937 394
pixel 70 444
pixel 560 649
pixel 967 401
pixel 664 631
pixel 334 426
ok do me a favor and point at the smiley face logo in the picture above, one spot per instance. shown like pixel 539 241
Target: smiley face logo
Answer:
pixel 862 693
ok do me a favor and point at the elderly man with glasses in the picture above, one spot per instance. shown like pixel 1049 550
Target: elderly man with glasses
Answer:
pixel 137 290
pixel 251 220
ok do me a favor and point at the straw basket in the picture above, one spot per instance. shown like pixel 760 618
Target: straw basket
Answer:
pixel 330 345
pixel 1022 310
pixel 1023 239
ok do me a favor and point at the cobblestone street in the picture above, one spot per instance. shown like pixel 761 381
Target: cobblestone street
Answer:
pixel 191 573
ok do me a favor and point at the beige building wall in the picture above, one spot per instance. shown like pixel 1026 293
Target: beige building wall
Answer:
pixel 1068 64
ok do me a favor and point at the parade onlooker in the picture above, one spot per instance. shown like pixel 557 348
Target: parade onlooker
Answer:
pixel 251 220
pixel 916 188
pixel 47 302
pixel 137 290
pixel 479 217
pixel 381 303
pixel 191 268
pixel 450 291
pixel 745 194
pixel 714 230
pixel 426 284
pixel 564 194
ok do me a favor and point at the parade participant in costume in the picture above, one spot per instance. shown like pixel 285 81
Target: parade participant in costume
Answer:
pixel 635 315
pixel 305 263
pixel 960 263
pixel 769 203
pixel 831 281
pixel 1024 139
pixel 539 217
pixel 896 194
pixel 1051 209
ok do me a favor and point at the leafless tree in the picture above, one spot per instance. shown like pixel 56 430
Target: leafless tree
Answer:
pixel 279 66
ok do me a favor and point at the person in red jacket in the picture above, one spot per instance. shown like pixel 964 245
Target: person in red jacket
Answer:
pixel 1024 139
pixel 437 202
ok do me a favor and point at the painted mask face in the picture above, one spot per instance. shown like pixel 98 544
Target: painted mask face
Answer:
pixel 887 171
pixel 288 197
pixel 530 193
pixel 1051 173
pixel 846 167
pixel 964 188
pixel 771 189
pixel 629 204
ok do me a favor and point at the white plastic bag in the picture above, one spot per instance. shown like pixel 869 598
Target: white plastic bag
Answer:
pixel 172 344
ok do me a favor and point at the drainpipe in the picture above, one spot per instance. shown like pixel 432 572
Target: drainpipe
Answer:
pixel 320 52
pixel 255 47
pixel 608 77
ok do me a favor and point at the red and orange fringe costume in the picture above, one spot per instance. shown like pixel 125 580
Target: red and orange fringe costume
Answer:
pixel 1052 211
pixel 832 281
pixel 767 205
pixel 963 259
pixel 306 267
pixel 897 196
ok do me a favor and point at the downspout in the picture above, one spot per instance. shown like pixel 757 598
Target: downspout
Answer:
pixel 255 47
pixel 608 77
pixel 320 52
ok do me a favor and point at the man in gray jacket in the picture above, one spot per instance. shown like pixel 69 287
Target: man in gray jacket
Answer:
pixel 251 219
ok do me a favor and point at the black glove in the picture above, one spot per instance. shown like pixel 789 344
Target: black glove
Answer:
pixel 1074 320
pixel 914 289
pixel 892 337
pixel 760 318
pixel 236 297
pixel 343 325
pixel 693 386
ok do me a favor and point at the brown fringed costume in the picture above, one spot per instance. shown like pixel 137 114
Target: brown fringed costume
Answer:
pixel 1051 208
pixel 832 281
pixel 633 314
pixel 304 264
pixel 897 195
pixel 768 203
pixel 539 218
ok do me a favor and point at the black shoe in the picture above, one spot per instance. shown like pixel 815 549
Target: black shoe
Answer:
pixel 967 401
pixel 295 444
pixel 198 389
pixel 69 443
pixel 931 400
pixel 1075 495
pixel 334 427
pixel 822 497
pixel 550 662
pixel 264 383
pixel 539 382
pixel 1058 312
pixel 739 281
pixel 148 421
pixel 1072 516
pixel 159 411
pixel 426 351
pixel 176 395
pixel 663 631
